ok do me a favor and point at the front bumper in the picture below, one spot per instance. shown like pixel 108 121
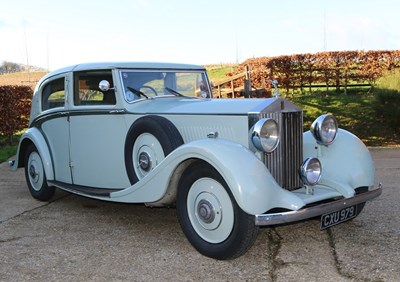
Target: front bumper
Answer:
pixel 306 213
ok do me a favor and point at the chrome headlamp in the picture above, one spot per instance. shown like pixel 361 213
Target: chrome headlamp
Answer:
pixel 324 129
pixel 265 135
pixel 311 171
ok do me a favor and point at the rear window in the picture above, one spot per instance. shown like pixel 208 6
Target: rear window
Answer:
pixel 53 94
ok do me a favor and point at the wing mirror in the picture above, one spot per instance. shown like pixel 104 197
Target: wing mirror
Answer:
pixel 105 85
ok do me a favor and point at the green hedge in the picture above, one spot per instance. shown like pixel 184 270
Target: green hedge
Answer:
pixel 15 103
pixel 387 99
pixel 387 107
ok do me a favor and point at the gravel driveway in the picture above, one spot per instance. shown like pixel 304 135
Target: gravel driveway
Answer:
pixel 79 239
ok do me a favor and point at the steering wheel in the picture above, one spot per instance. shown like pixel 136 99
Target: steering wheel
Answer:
pixel 151 88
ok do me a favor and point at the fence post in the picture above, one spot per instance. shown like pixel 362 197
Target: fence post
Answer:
pixel 247 82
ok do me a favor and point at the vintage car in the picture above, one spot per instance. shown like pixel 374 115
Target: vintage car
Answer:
pixel 152 133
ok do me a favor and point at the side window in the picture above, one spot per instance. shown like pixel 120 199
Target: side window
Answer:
pixel 86 89
pixel 53 94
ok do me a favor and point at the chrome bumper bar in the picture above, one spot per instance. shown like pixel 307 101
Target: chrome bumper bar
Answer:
pixel 293 216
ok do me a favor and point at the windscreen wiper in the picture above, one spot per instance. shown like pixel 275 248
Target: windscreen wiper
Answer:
pixel 172 91
pixel 137 92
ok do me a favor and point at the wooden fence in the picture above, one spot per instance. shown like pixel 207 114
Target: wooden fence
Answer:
pixel 338 70
pixel 238 85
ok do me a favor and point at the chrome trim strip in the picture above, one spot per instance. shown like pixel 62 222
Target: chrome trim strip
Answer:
pixel 78 112
pixel 306 213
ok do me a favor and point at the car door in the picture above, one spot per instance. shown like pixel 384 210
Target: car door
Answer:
pixel 54 124
pixel 97 133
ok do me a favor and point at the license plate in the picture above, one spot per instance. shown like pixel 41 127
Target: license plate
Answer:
pixel 336 217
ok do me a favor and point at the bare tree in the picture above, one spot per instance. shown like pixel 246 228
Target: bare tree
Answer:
pixel 9 67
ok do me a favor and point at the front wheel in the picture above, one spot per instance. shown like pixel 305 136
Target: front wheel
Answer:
pixel 209 215
pixel 35 175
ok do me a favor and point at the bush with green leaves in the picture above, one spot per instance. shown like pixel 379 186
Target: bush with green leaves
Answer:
pixel 387 99
pixel 387 107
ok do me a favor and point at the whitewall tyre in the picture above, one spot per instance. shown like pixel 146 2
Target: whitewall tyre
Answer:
pixel 209 215
pixel 36 176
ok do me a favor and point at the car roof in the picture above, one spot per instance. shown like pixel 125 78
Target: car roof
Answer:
pixel 122 65
pixel 128 65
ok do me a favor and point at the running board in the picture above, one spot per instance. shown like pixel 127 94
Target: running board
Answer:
pixel 84 190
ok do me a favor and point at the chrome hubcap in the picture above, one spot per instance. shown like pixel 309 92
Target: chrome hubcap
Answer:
pixel 33 173
pixel 206 211
pixel 145 161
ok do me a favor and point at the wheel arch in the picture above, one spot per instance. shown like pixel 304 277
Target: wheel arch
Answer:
pixel 169 197
pixel 35 137
pixel 253 187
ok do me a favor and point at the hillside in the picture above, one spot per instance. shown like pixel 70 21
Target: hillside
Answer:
pixel 21 78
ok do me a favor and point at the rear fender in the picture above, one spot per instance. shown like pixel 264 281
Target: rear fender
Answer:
pixel 34 136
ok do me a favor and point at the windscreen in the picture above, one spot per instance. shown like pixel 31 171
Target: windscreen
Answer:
pixel 149 84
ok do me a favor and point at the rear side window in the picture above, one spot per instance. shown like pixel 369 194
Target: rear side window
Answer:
pixel 86 89
pixel 53 94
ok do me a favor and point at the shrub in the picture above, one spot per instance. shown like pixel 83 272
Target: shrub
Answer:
pixel 387 105
pixel 15 104
pixel 387 99
pixel 390 80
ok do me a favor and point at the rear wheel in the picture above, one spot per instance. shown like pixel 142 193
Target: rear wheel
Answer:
pixel 209 215
pixel 35 175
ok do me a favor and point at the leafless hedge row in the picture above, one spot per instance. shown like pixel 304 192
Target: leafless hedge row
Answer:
pixel 15 102
pixel 329 69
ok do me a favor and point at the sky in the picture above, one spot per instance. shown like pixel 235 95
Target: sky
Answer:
pixel 53 34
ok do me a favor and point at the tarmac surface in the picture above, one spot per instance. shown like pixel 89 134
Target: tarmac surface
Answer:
pixel 78 239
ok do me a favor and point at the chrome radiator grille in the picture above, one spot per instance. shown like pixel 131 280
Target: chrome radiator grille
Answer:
pixel 284 163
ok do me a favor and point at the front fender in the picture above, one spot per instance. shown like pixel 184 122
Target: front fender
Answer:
pixel 346 163
pixel 252 185
pixel 33 135
pixel 254 188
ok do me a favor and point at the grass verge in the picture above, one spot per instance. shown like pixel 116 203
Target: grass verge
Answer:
pixel 7 148
pixel 354 113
